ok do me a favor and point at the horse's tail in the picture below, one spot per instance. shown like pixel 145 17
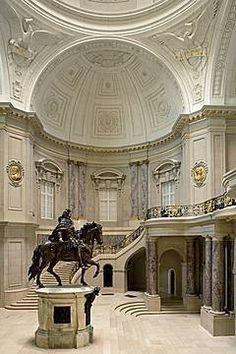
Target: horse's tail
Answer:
pixel 33 269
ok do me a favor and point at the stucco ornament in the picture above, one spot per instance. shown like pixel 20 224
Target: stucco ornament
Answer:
pixel 199 173
pixel 15 172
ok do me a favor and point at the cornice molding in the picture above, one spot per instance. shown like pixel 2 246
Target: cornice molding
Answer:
pixel 31 120
pixel 137 21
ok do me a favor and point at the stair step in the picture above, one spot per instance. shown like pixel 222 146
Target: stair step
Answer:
pixel 30 301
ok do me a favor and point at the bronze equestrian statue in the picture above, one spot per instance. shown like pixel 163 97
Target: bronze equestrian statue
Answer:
pixel 66 244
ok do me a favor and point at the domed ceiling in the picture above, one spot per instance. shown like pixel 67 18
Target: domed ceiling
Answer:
pixel 107 93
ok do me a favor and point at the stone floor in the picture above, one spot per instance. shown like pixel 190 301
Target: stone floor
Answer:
pixel 116 332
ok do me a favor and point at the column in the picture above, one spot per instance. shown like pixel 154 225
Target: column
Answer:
pixel 214 318
pixel 190 286
pixel 151 267
pixel 191 300
pixel 218 275
pixel 207 291
pixel 152 299
pixel 230 276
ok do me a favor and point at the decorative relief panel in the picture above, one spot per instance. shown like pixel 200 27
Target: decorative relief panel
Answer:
pixel 24 45
pixel 108 86
pixel 108 121
pixel 15 172
pixel 199 173
pixel 108 58
pixel 72 74
pixel 55 105
pixel 15 261
pixel 144 76
pixel 188 44
pixel 158 107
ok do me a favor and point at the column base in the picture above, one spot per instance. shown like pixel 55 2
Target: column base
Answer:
pixel 218 324
pixel 153 302
pixel 192 303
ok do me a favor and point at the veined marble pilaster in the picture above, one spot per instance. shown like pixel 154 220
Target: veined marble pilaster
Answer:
pixel 151 267
pixel 81 190
pixel 73 187
pixel 134 189
pixel 143 187
pixel 218 275
pixel 207 292
pixel 190 288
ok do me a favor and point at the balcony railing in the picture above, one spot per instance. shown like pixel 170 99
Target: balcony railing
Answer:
pixel 203 208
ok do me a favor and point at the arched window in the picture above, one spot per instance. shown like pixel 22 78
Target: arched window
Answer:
pixel 107 275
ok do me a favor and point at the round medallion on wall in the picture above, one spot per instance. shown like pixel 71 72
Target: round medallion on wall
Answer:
pixel 15 172
pixel 199 173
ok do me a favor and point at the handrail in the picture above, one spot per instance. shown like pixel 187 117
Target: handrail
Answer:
pixel 112 249
pixel 203 208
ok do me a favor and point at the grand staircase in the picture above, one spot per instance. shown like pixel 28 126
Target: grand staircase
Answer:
pixel 30 301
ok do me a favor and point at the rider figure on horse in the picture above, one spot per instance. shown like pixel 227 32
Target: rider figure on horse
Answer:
pixel 65 232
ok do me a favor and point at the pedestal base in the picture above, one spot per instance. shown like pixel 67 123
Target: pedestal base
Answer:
pixel 218 325
pixel 192 303
pixel 67 339
pixel 153 302
pixel 62 318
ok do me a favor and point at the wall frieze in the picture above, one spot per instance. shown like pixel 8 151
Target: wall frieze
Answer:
pixel 31 123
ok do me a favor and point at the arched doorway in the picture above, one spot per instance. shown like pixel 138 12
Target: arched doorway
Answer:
pixel 171 282
pixel 136 271
pixel 107 275
pixel 170 274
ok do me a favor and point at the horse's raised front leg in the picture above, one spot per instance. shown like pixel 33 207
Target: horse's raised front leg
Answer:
pixel 91 262
pixel 51 271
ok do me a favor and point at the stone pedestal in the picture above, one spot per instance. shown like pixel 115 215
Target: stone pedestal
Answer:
pixel 153 302
pixel 192 303
pixel 62 318
pixel 218 325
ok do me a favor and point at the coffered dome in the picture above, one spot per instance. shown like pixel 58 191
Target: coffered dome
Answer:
pixel 107 93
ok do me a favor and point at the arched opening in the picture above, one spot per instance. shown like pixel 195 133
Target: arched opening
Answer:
pixel 170 272
pixel 136 272
pixel 107 276
pixel 171 282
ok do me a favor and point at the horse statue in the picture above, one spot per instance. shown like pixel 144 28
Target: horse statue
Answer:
pixel 78 248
